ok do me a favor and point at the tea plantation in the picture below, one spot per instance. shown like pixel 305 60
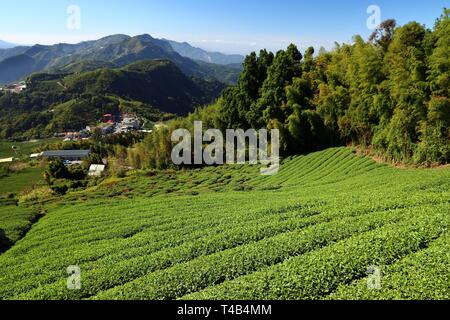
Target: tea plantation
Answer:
pixel 310 232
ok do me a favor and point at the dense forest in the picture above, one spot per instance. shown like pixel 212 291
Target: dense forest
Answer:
pixel 389 93
pixel 57 102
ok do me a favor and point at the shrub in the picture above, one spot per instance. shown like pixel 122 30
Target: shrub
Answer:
pixel 58 170
pixel 35 194
pixel 77 172
pixel 60 189
pixel 78 184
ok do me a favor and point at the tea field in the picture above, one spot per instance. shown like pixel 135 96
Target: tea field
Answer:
pixel 309 232
pixel 23 149
pixel 18 181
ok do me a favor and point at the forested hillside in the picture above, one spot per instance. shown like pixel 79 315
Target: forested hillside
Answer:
pixel 60 102
pixel 389 94
pixel 156 82
pixel 392 92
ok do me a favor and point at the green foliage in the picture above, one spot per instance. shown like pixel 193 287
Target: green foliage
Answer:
pixel 15 221
pixel 58 103
pixel 60 189
pixel 22 149
pixel 93 158
pixel 306 233
pixel 16 181
pixel 425 269
pixel 77 172
pixel 4 171
pixel 390 92
pixel 58 170
pixel 35 194
pixel 314 275
pixel 154 152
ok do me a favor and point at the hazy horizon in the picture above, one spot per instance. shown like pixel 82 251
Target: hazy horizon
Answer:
pixel 232 27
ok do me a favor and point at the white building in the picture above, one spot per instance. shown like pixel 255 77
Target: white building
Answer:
pixel 35 155
pixel 96 170
pixel 6 160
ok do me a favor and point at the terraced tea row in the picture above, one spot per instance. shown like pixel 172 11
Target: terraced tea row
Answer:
pixel 314 275
pixel 420 276
pixel 217 242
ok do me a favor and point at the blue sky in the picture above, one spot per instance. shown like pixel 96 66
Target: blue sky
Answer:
pixel 231 26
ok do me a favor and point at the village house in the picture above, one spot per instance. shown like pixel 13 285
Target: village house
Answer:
pixel 108 118
pixel 15 88
pixel 96 170
pixel 129 123
pixel 75 136
pixel 6 160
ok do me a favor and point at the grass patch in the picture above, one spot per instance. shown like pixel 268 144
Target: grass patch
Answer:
pixel 23 149
pixel 16 182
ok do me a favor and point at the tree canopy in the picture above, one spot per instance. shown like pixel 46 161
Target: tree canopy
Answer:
pixel 390 92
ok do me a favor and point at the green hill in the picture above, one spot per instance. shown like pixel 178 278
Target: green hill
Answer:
pixel 14 68
pixel 156 82
pixel 84 66
pixel 70 100
pixel 310 232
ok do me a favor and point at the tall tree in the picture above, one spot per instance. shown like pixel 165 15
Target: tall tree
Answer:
pixel 405 66
pixel 435 131
pixel 286 66
pixel 384 33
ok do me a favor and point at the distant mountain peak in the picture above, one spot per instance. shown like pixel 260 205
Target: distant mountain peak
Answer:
pixel 187 50
pixel 145 36
pixel 115 36
pixel 115 50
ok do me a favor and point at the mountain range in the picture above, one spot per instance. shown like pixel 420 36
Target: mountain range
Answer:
pixel 188 51
pixel 116 51
pixel 6 45
pixel 70 86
